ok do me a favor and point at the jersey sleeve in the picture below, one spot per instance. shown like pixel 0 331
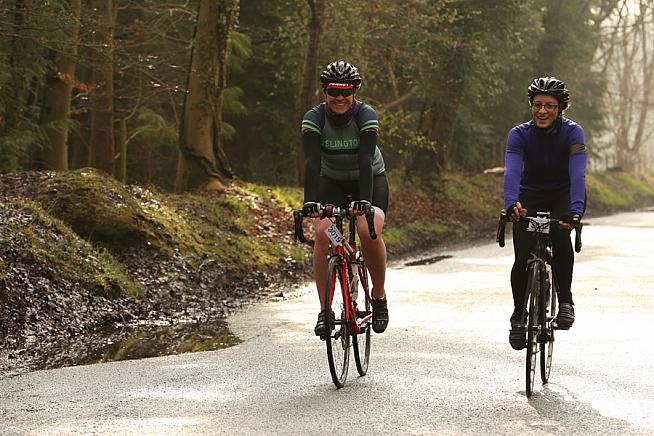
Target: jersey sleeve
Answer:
pixel 312 158
pixel 513 162
pixel 367 147
pixel 313 120
pixel 367 119
pixel 577 140
pixel 577 170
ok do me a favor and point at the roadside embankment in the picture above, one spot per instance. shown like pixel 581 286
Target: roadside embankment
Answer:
pixel 85 260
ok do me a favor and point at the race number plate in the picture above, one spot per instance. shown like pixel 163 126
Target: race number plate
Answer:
pixel 539 225
pixel 334 235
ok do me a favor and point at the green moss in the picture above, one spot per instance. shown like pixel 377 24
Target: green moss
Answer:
pixel 393 236
pixel 49 244
pixel 283 197
pixel 103 210
pixel 432 229
pixel 614 190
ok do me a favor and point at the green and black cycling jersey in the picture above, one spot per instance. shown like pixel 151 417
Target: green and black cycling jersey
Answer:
pixel 345 152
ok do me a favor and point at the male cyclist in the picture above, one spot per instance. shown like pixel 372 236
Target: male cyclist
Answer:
pixel 545 171
pixel 339 138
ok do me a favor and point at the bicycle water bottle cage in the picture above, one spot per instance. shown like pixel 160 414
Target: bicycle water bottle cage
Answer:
pixel 540 224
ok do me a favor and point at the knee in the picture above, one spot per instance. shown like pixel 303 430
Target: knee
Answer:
pixel 321 241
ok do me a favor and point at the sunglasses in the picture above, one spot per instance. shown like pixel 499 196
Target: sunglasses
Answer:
pixel 335 92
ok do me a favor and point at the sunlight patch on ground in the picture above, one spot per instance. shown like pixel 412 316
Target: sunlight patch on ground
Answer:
pixel 141 426
pixel 208 393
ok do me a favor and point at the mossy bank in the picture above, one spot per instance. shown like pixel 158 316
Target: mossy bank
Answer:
pixel 81 254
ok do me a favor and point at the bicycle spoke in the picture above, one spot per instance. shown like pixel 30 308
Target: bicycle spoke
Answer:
pixel 361 341
pixel 338 343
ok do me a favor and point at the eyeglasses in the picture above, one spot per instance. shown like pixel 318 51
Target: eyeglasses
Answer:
pixel 335 92
pixel 549 107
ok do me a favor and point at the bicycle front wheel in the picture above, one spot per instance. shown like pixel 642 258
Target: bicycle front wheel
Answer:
pixel 338 342
pixel 533 287
pixel 361 341
pixel 549 298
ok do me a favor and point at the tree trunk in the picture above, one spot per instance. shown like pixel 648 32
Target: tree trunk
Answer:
pixel 308 79
pixel 102 146
pixel 19 83
pixel 632 67
pixel 122 150
pixel 441 119
pixel 202 161
pixel 549 50
pixel 57 95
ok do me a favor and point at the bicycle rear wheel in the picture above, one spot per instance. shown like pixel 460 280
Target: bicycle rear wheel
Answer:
pixel 549 298
pixel 361 341
pixel 533 286
pixel 338 342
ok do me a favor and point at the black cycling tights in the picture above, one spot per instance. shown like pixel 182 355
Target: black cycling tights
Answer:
pixel 523 242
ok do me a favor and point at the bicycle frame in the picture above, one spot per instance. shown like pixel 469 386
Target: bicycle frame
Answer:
pixel 350 258
pixel 541 253
pixel 540 325
pixel 346 249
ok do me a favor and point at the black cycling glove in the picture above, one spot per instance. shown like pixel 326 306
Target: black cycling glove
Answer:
pixel 360 205
pixel 571 218
pixel 310 208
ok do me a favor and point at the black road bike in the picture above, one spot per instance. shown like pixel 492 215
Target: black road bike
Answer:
pixel 541 292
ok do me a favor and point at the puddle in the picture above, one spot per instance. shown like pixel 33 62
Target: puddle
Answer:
pixel 142 341
pixel 125 342
pixel 428 260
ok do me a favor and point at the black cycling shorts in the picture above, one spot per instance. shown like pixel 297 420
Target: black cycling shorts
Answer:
pixel 336 192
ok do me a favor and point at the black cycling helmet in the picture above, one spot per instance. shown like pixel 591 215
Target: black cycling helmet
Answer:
pixel 341 72
pixel 550 86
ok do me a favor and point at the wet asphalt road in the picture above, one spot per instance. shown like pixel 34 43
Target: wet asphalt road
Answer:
pixel 444 366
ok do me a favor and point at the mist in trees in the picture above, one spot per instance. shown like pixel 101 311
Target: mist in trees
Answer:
pixel 188 94
pixel 626 57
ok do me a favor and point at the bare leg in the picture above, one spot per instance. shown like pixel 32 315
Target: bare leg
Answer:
pixel 374 251
pixel 320 252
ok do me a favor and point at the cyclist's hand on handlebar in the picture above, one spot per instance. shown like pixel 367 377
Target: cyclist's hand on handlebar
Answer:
pixel 311 209
pixel 569 221
pixel 359 207
pixel 516 211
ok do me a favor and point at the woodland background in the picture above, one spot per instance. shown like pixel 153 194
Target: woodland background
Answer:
pixel 187 95
pixel 205 98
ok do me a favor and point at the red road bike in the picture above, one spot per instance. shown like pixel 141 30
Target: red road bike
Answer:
pixel 347 293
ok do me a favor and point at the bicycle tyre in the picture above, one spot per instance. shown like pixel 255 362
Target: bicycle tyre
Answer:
pixel 361 341
pixel 533 287
pixel 338 342
pixel 549 299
